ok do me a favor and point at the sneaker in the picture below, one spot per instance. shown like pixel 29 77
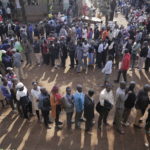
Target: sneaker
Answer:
pixel 146 145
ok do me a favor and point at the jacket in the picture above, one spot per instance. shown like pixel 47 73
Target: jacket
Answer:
pixel 130 100
pixel 79 101
pixel 44 102
pixel 88 107
pixel 126 62
pixel 68 103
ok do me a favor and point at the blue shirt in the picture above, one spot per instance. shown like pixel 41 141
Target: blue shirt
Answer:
pixel 79 101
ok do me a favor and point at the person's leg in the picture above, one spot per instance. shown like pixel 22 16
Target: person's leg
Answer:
pixel 16 70
pixel 69 119
pixel 119 74
pixel 126 114
pixel 119 113
pixel 106 112
pixel 10 101
pixel 38 114
pixel 77 119
pixel 124 72
pixel 21 72
pixel 147 64
pixel 138 116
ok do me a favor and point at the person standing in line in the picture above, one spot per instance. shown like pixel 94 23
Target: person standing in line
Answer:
pixel 147 62
pixel 89 110
pixel 107 70
pixel 79 56
pixel 106 101
pixel 142 103
pixel 135 50
pixel 22 96
pixel 27 51
pixel 125 64
pixel 5 89
pixel 37 51
pixel 68 104
pixel 35 93
pixel 129 102
pixel 44 106
pixel 143 55
pixel 17 63
pixel 86 47
pixel 120 100
pixel 79 105
pixel 55 101
pixel 99 54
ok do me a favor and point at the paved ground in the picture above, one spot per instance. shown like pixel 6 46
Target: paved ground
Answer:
pixel 18 134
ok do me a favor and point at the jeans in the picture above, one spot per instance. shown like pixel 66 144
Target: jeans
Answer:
pixel 91 58
pixel 69 119
pixel 80 64
pixel 133 59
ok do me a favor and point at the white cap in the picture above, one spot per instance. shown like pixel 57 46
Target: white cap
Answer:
pixel 20 85
pixel 14 50
pixel 3 51
pixel 9 68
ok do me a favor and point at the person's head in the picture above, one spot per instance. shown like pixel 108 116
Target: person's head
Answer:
pixel 79 88
pixel 91 92
pixel 122 85
pixel 15 81
pixel 43 90
pixel 55 89
pixel 132 85
pixel 9 70
pixel 146 87
pixel 110 58
pixel 20 86
pixel 34 84
pixel 68 90
pixel 108 87
pixel 85 41
pixel 5 82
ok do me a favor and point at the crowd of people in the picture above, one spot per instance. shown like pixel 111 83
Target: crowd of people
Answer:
pixel 106 47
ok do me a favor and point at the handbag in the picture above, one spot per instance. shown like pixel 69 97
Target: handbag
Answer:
pixel 107 105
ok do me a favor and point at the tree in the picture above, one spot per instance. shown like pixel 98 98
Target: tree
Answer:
pixel 24 17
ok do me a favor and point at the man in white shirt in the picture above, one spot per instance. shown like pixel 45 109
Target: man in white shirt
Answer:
pixel 120 99
pixel 23 97
pixel 99 54
pixel 106 99
pixel 107 70
pixel 86 47
pixel 35 93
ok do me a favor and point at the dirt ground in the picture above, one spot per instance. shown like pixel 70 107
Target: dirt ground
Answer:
pixel 19 134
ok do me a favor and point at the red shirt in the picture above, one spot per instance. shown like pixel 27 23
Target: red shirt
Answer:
pixel 125 64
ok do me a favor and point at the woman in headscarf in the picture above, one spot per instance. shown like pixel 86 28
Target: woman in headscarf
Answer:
pixel 55 100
